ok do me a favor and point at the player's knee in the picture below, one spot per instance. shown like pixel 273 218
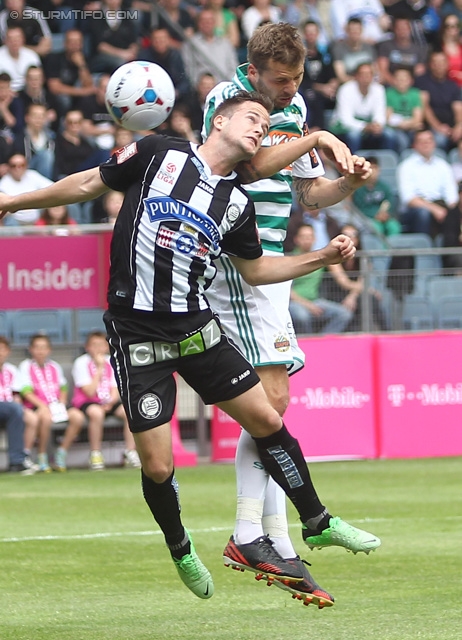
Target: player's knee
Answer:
pixel 280 401
pixel 157 470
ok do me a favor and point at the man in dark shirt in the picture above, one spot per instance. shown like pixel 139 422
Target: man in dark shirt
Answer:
pixel 183 206
pixel 442 102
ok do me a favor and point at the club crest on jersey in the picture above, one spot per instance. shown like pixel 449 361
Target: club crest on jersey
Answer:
pixel 126 152
pixel 233 212
pixel 281 343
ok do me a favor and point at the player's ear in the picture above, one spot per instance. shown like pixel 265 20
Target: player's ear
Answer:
pixel 218 121
pixel 252 72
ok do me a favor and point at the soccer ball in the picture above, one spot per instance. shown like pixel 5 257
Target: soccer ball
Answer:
pixel 140 95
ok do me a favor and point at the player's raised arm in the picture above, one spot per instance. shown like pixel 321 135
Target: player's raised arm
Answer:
pixel 78 187
pixel 267 270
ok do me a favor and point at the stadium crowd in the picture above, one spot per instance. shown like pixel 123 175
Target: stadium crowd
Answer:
pixel 384 76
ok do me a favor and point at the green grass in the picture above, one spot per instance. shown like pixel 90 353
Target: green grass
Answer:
pixel 81 558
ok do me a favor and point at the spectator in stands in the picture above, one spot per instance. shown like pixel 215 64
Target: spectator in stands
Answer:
pixel 450 42
pixel 112 201
pixel 456 163
pixel 259 12
pixel 344 284
pixel 13 414
pixel 196 99
pixel 412 11
pixel 206 53
pixel 442 102
pixel 113 40
pixel 307 308
pixel 176 19
pixel 427 188
pixel 225 22
pixel 20 179
pixel 67 72
pixel 54 216
pixel 297 12
pixel 37 141
pixel 452 236
pixel 35 91
pixel 371 13
pixel 400 52
pixel 73 151
pixel 319 85
pixel 15 58
pixel 37 35
pixel 360 115
pixel 404 108
pixel 44 390
pixel 349 53
pixel 169 58
pixel 9 112
pixel 375 200
pixel 179 124
pixel 96 395
pixel 97 124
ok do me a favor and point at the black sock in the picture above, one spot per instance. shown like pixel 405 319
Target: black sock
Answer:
pixel 162 499
pixel 282 457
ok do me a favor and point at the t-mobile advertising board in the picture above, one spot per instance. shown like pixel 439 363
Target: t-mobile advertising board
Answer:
pixel 371 396
pixel 420 395
pixel 331 411
pixel 54 272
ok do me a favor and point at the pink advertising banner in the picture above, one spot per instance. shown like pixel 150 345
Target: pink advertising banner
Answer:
pixel 53 272
pixel 332 402
pixel 420 395
pixel 332 408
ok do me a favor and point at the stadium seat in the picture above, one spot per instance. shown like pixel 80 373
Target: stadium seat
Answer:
pixel 54 323
pixel 87 320
pixel 417 313
pixel 5 324
pixel 425 266
pixel 448 312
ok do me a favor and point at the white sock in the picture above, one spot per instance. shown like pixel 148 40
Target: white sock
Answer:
pixel 275 520
pixel 252 480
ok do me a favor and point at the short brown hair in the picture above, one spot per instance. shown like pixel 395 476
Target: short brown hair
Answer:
pixel 280 42
pixel 228 106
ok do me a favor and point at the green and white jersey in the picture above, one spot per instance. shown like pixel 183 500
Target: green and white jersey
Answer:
pixel 272 196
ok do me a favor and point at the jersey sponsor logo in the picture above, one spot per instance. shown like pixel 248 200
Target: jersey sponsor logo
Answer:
pixel 165 208
pixel 126 152
pixel 171 168
pixel 150 406
pixel 185 243
pixel 281 343
pixel 314 159
pixel 281 137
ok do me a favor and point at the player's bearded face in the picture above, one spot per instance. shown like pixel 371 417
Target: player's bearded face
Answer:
pixel 278 81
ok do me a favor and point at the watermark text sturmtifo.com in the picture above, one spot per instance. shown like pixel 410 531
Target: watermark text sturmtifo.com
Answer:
pixel 75 14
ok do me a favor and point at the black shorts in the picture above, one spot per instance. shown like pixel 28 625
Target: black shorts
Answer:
pixel 148 390
pixel 111 411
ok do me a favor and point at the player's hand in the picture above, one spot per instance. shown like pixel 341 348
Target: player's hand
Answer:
pixel 336 151
pixel 339 249
pixel 362 172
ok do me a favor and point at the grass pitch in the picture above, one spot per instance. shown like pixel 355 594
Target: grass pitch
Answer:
pixel 81 558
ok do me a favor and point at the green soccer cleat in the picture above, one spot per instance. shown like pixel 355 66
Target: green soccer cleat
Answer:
pixel 194 574
pixel 341 534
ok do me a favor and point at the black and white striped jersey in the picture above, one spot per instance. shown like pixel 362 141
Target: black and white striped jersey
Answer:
pixel 175 220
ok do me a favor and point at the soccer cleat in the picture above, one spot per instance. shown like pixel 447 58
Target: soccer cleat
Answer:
pixel 132 459
pixel 308 591
pixel 262 558
pixel 60 460
pixel 341 534
pixel 96 460
pixel 42 460
pixel 194 574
